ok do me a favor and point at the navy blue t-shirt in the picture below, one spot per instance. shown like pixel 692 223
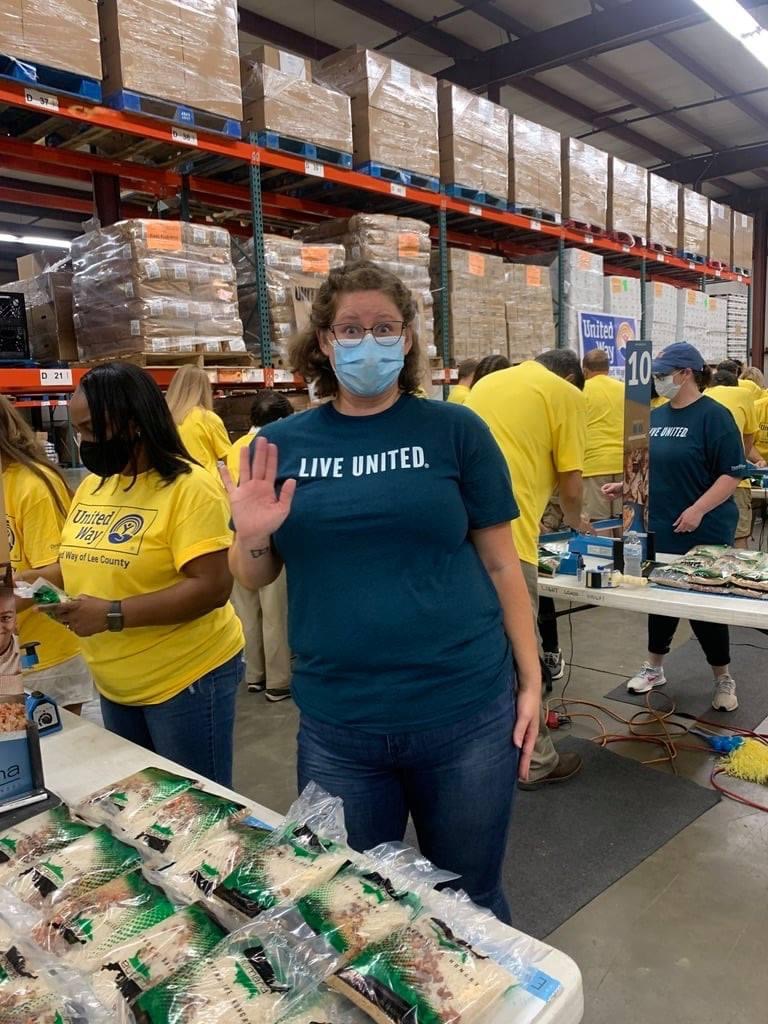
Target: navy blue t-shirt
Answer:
pixel 689 449
pixel 395 623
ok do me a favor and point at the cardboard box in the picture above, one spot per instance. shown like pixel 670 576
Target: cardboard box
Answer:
pixel 34 263
pixel 60 35
pixel 528 311
pixel 48 301
pixel 290 64
pixel 585 183
pixel 474 140
pixel 387 138
pixel 663 211
pixel 474 166
pixel 535 174
pixel 742 241
pixel 475 298
pixel 693 223
pixel 627 198
pixel 719 233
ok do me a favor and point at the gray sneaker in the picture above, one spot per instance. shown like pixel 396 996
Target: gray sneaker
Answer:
pixel 724 698
pixel 555 662
pixel 647 679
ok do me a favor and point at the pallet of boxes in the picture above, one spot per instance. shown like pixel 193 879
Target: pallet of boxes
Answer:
pixel 663 214
pixel 45 281
pixel 528 311
pixel 474 146
pixel 475 301
pixel 535 170
pixel 153 288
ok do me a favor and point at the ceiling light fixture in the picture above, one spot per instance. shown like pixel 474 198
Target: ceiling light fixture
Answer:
pixel 52 243
pixel 740 24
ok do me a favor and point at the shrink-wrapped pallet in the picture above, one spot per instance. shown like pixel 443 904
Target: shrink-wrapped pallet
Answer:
pixel 535 169
pixel 583 290
pixel 660 314
pixel 693 224
pixel 528 311
pixel 474 141
pixel 54 34
pixel 475 298
pixel 627 198
pixel 585 184
pixel 663 211
pixel 48 302
pixel 719 233
pixel 742 241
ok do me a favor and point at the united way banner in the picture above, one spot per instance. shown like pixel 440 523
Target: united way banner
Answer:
pixel 612 333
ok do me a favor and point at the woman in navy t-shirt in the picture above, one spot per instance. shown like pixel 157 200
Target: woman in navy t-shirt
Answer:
pixel 406 600
pixel 697 460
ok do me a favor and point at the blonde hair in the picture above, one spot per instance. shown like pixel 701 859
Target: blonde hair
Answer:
pixel 756 376
pixel 190 389
pixel 19 444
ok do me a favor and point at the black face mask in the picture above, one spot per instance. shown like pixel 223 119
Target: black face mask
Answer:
pixel 107 458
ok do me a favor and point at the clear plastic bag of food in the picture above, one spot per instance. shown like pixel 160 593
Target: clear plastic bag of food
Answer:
pixel 179 825
pixel 148 959
pixel 323 1007
pixel 123 804
pixel 37 837
pixel 82 930
pixel 306 851
pixel 42 592
pixel 254 976
pixel 75 870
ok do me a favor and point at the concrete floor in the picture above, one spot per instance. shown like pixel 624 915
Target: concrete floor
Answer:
pixel 681 938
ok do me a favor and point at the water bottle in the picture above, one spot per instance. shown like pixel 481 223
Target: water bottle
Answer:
pixel 633 554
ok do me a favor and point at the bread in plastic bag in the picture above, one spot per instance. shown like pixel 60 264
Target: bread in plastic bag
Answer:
pixel 177 826
pixel 120 804
pixel 37 837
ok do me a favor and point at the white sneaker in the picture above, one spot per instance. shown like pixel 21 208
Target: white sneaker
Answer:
pixel 555 662
pixel 725 698
pixel 647 679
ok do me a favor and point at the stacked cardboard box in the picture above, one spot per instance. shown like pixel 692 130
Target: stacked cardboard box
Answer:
pixel 295 270
pixel 475 298
pixel 61 35
pixel 394 109
pixel 474 141
pixel 737 326
pixel 154 286
pixel 528 311
pixel 585 184
pixel 398 244
pixel 627 198
pixel 663 211
pixel 719 233
pixel 583 290
pixel 535 172
pixel 183 51
pixel 622 297
pixel 48 301
pixel 660 314
pixel 693 223
pixel 742 241
pixel 279 95
pixel 691 315
pixel 715 347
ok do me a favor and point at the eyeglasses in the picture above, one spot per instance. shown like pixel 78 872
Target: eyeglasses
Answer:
pixel 387 332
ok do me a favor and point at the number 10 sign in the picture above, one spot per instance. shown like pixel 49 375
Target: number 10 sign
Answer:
pixel 637 409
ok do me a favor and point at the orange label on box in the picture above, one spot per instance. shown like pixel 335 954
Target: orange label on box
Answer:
pixel 476 264
pixel 658 290
pixel 691 298
pixel 533 277
pixel 616 285
pixel 408 245
pixel 585 261
pixel 315 259
pixel 164 234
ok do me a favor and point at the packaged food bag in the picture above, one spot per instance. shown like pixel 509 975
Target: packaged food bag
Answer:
pixel 37 837
pixel 196 874
pixel 179 825
pixel 122 803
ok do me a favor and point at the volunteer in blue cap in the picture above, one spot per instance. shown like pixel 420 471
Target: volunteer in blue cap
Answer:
pixel 696 460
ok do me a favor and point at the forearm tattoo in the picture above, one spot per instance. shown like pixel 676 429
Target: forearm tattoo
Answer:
pixel 260 552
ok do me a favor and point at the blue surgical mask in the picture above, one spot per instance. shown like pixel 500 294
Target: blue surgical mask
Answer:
pixel 369 369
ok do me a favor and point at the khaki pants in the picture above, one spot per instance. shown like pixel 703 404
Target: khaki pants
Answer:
pixel 596 505
pixel 264 615
pixel 545 757
pixel 743 498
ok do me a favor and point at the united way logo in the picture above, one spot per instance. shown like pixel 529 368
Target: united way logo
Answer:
pixel 125 529
pixel 11 536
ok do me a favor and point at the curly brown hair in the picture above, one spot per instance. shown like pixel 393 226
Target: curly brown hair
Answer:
pixel 306 356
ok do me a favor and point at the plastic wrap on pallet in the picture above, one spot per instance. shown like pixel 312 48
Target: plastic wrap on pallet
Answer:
pixel 48 301
pixel 582 289
pixel 182 51
pixel 693 223
pixel 294 270
pixel 660 314
pixel 290 103
pixel 535 172
pixel 475 297
pixel 585 183
pixel 51 33
pixel 715 345
pixel 474 141
pixel 622 297
pixel 627 198
pixel 691 314
pixel 663 211
pixel 528 311
pixel 394 109
pixel 153 286
pixel 742 241
pixel 719 233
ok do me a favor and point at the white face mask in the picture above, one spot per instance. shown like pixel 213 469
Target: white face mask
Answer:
pixel 666 387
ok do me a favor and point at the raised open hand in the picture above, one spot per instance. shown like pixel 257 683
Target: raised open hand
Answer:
pixel 257 509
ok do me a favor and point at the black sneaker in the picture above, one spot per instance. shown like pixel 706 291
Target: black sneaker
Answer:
pixel 257 687
pixel 276 694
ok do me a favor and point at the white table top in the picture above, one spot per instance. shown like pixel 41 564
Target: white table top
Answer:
pixel 83 757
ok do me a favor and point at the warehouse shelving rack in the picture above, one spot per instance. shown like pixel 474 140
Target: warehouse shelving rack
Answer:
pixel 245 187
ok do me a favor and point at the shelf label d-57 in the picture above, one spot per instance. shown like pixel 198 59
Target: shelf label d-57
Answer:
pixel 55 378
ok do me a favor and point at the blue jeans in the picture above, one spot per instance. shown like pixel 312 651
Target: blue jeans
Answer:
pixel 195 728
pixel 457 782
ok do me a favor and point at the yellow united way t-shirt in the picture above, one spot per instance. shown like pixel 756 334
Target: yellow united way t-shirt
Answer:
pixel 119 543
pixel 604 453
pixel 34 529
pixel 233 458
pixel 205 437
pixel 742 407
pixel 761 437
pixel 459 393
pixel 539 422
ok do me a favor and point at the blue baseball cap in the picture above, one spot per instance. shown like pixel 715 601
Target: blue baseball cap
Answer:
pixel 680 356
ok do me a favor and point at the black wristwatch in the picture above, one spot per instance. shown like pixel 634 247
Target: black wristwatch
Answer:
pixel 115 621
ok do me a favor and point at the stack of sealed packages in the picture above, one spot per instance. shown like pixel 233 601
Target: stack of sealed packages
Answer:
pixel 660 314
pixel 535 173
pixel 693 224
pixel 742 240
pixel 582 288
pixel 691 314
pixel 622 297
pixel 474 143
pixel 715 347
pixel 663 212
pixel 627 199
pixel 737 325
pixel 720 229
pixel 294 271
pixel 585 184
pixel 475 298
pixel 154 287
pixel 528 311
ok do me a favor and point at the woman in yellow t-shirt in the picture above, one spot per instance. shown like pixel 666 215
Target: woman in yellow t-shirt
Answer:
pixel 148 533
pixel 36 502
pixel 190 399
